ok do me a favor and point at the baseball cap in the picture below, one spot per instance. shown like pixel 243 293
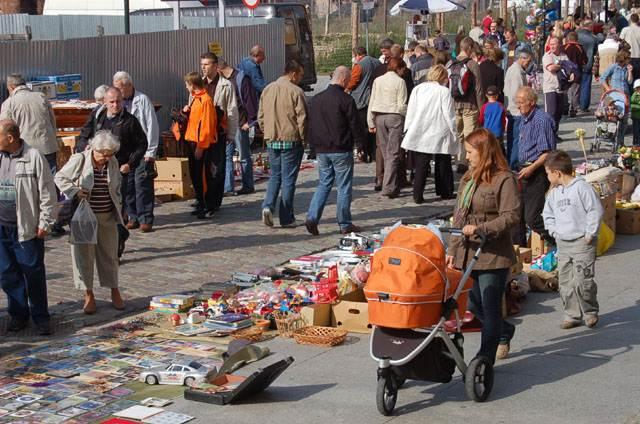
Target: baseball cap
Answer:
pixel 636 84
pixel 492 90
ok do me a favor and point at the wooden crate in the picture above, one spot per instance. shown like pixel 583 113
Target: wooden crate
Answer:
pixel 609 215
pixel 171 147
pixel 173 169
pixel 178 189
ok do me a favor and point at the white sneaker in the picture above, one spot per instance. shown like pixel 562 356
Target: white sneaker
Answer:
pixel 267 217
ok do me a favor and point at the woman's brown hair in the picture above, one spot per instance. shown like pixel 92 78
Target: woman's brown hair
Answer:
pixel 396 65
pixel 492 160
pixel 194 79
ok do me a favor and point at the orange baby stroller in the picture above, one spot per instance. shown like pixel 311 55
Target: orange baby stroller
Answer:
pixel 411 293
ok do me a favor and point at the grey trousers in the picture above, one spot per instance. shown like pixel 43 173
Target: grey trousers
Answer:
pixel 104 256
pixel 389 127
pixel 574 97
pixel 576 271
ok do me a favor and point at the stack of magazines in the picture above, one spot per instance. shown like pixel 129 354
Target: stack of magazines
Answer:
pixel 228 322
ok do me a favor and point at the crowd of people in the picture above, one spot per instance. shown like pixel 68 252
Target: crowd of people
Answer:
pixel 471 108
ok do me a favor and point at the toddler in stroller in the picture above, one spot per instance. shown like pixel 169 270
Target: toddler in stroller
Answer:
pixel 610 118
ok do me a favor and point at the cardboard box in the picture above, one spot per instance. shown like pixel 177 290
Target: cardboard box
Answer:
pixel 537 245
pixel 67 86
pixel 179 189
pixel 351 313
pixel 525 255
pixel 45 87
pixel 318 314
pixel 609 206
pixel 174 169
pixel 628 221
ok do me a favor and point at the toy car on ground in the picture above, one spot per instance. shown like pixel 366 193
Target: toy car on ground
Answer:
pixel 176 373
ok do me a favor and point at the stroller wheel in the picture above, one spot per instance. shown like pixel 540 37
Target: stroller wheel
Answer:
pixel 479 379
pixel 386 396
pixel 400 382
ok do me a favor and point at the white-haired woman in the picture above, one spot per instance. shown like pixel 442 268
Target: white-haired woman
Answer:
pixel 95 175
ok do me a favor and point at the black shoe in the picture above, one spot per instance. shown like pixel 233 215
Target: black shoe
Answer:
pixel 418 200
pixel 573 114
pixel 312 228
pixel 448 197
pixel 351 229
pixel 57 230
pixel 244 190
pixel 196 205
pixel 377 188
pixel 229 194
pixel 202 214
pixel 44 328
pixel 198 211
pixel 17 324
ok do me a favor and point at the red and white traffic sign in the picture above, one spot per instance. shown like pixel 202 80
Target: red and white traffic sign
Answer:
pixel 251 4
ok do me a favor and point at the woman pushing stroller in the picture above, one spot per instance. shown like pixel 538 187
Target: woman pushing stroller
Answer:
pixel 488 202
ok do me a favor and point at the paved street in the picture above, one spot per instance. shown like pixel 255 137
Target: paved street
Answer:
pixel 552 376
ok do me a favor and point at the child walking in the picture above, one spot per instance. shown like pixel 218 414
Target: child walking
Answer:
pixel 635 112
pixel 492 114
pixel 572 214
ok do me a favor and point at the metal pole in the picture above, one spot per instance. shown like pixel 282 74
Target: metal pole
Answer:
pixel 126 17
pixel 366 33
pixel 544 29
pixel 221 17
pixel 176 15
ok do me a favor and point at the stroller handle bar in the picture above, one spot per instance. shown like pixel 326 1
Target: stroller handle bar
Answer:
pixel 458 232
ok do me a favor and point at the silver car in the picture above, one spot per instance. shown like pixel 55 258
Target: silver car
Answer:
pixel 176 373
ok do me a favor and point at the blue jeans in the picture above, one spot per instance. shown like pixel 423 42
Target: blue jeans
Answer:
pixel 243 145
pixel 285 165
pixel 585 90
pixel 513 136
pixel 485 301
pixel 338 168
pixel 140 193
pixel 22 276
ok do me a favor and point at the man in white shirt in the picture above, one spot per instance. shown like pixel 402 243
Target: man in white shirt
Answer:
pixel 631 35
pixel 553 93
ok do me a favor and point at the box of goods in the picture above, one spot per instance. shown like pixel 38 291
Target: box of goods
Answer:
pixel 526 255
pixel 171 303
pixel 605 181
pixel 171 147
pixel 628 221
pixel 173 169
pixel 318 314
pixel 177 189
pixel 351 313
pixel 629 183
pixel 537 245
pixel 609 206
pixel 45 87
pixel 517 267
pixel 67 86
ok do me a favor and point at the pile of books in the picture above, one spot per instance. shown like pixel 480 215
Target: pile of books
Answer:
pixel 171 303
pixel 228 322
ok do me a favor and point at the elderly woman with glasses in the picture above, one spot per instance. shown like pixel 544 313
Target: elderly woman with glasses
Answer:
pixel 94 175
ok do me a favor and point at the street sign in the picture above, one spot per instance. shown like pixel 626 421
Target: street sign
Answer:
pixel 368 5
pixel 251 4
pixel 366 15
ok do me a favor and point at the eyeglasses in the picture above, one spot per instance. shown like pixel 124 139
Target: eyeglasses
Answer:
pixel 105 153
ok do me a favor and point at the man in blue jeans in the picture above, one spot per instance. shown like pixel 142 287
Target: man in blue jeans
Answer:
pixel 590 44
pixel 27 213
pixel 282 116
pixel 334 126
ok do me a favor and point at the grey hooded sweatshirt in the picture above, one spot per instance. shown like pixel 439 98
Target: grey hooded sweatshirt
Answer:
pixel 573 211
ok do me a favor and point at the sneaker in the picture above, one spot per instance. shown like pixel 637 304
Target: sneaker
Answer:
pixel 351 229
pixel 568 324
pixel 44 328
pixel 17 324
pixel 591 321
pixel 503 351
pixel 245 190
pixel 293 224
pixel 312 227
pixel 132 225
pixel 267 217
pixel 57 230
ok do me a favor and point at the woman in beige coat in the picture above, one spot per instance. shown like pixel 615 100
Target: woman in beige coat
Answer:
pixel 94 175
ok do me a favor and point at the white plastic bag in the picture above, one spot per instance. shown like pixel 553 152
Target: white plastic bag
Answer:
pixel 83 225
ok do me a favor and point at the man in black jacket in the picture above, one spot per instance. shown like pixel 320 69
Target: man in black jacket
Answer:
pixel 334 126
pixel 133 141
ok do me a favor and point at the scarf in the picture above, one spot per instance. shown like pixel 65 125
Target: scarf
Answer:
pixel 464 204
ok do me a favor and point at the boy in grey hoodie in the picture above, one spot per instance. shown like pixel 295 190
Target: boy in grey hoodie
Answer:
pixel 572 214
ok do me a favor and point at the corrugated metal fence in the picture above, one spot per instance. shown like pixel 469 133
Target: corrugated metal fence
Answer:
pixel 156 61
pixel 63 27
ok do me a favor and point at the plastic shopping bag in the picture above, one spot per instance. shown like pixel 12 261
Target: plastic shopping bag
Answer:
pixel 606 238
pixel 83 225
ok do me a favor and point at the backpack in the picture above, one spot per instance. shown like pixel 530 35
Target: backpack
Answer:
pixel 460 78
pixel 568 68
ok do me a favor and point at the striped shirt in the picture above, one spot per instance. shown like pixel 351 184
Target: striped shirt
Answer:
pixel 537 136
pixel 100 199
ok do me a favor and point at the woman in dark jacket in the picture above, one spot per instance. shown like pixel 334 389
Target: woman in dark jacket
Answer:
pixel 488 202
pixel 491 71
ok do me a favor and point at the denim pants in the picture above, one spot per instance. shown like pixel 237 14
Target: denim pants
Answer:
pixel 338 168
pixel 585 90
pixel 485 301
pixel 140 193
pixel 22 276
pixel 513 136
pixel 243 145
pixel 285 165
pixel 553 104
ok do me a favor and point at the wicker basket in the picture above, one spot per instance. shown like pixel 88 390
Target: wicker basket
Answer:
pixel 287 324
pixel 321 336
pixel 252 334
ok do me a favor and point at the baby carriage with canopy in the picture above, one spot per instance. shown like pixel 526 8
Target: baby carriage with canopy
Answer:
pixel 411 293
pixel 611 114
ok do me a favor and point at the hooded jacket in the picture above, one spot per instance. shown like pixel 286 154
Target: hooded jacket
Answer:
pixel 573 211
pixel 202 125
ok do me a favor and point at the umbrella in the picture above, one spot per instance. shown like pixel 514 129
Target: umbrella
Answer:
pixel 426 6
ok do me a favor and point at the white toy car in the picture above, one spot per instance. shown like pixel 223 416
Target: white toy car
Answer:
pixel 176 373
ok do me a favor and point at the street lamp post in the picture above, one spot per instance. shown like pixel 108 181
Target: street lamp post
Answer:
pixel 126 17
